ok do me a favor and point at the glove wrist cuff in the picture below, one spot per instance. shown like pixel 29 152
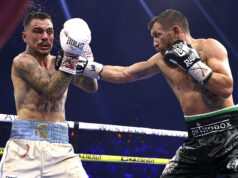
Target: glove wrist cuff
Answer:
pixel 69 62
pixel 93 70
pixel 200 72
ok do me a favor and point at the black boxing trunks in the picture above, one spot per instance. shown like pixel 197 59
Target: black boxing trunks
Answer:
pixel 211 147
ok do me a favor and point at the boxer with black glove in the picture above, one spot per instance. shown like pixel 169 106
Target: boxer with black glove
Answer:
pixel 187 58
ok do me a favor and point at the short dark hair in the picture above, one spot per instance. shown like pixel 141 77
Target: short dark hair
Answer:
pixel 168 18
pixel 35 15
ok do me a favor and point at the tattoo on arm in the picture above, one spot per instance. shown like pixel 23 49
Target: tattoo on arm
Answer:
pixel 40 80
pixel 87 84
pixel 141 74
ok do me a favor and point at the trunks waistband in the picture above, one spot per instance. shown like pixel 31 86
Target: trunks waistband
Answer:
pixel 39 131
pixel 218 121
pixel 211 114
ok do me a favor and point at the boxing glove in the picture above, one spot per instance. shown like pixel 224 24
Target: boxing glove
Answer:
pixel 66 62
pixel 75 36
pixel 187 58
pixel 74 39
pixel 88 68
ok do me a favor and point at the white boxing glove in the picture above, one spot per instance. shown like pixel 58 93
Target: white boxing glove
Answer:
pixel 75 36
pixel 89 68
pixel 87 53
pixel 74 39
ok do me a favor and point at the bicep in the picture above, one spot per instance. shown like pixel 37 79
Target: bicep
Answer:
pixel 217 58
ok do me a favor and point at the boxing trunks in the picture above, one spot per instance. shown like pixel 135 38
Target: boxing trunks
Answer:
pixel 40 149
pixel 210 148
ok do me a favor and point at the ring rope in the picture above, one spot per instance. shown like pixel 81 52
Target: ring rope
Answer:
pixel 117 159
pixel 111 128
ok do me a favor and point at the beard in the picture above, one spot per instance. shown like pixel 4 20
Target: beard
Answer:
pixel 170 41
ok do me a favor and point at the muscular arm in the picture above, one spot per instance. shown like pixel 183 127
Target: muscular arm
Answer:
pixel 221 81
pixel 137 71
pixel 28 69
pixel 87 84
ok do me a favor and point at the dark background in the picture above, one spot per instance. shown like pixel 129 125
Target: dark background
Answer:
pixel 120 37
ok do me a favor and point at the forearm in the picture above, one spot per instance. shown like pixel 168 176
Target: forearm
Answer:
pixel 57 84
pixel 135 72
pixel 115 74
pixel 87 84
pixel 220 84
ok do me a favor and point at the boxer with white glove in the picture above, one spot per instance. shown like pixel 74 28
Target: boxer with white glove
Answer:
pixel 85 64
pixel 187 58
pixel 74 38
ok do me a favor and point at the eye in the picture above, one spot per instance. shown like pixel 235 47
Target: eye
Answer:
pixel 157 35
pixel 50 31
pixel 37 30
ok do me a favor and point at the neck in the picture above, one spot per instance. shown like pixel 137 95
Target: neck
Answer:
pixel 187 37
pixel 41 58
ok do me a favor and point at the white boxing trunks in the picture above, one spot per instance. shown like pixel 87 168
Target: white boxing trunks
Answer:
pixel 40 149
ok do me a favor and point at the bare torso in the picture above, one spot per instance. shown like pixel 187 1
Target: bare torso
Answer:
pixel 193 97
pixel 33 105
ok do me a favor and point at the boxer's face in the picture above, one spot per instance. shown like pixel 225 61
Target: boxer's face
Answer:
pixel 162 39
pixel 39 36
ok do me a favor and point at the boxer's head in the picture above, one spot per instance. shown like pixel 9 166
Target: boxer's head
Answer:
pixel 166 28
pixel 38 33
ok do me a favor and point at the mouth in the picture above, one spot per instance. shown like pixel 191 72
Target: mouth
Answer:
pixel 157 48
pixel 44 46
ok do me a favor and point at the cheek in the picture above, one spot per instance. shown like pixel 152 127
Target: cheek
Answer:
pixel 33 39
pixel 162 41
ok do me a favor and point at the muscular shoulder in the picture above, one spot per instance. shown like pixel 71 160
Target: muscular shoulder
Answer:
pixel 212 48
pixel 155 58
pixel 23 60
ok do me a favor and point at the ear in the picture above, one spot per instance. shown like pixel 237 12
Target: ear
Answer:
pixel 177 30
pixel 24 36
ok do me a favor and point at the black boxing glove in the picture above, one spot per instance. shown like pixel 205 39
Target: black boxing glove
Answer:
pixel 187 58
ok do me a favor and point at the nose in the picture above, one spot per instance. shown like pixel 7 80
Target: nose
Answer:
pixel 45 36
pixel 155 42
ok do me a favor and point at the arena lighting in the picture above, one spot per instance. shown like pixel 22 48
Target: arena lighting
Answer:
pixel 65 9
pixel 218 30
pixel 147 9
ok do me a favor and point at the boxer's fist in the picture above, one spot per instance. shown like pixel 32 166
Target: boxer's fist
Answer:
pixel 187 58
pixel 89 68
pixel 182 55
pixel 66 62
pixel 75 36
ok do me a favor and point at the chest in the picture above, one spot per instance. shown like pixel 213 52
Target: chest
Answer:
pixel 176 77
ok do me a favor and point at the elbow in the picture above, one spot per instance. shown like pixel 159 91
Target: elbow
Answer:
pixel 92 88
pixel 227 92
pixel 229 89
